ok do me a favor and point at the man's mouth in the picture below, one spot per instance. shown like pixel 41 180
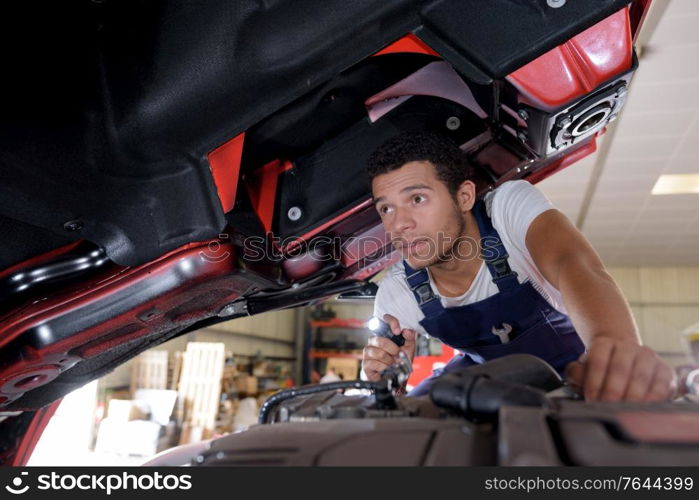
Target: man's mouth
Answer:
pixel 414 246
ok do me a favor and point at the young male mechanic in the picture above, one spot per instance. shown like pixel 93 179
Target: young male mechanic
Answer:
pixel 505 275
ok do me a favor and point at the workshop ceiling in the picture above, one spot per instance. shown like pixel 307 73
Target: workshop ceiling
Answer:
pixel 608 194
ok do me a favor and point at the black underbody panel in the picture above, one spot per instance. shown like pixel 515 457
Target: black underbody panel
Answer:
pixel 110 108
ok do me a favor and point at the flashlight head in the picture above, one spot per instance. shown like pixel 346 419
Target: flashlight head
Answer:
pixel 378 326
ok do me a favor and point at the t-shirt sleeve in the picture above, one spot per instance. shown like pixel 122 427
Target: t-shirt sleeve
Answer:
pixel 380 301
pixel 394 299
pixel 514 206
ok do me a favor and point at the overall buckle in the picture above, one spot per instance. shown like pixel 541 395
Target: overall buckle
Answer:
pixel 501 266
pixel 424 293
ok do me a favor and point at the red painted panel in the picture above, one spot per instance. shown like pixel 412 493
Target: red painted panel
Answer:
pixel 306 236
pixel 27 443
pixel 224 162
pixel 183 277
pixel 577 67
pixel 639 12
pixel 423 365
pixel 656 427
pixel 40 259
pixel 571 157
pixel 409 43
pixel 373 268
pixel 262 187
pixel 364 244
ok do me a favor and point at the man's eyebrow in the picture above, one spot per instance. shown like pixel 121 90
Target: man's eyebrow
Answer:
pixel 414 187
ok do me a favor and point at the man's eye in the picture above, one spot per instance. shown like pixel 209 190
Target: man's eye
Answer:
pixel 418 198
pixel 384 210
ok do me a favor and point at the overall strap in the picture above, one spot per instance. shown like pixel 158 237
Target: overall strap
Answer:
pixel 419 283
pixel 493 252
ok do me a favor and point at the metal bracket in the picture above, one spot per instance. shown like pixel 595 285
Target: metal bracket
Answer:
pixel 234 309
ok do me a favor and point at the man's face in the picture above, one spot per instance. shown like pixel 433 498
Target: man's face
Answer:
pixel 418 212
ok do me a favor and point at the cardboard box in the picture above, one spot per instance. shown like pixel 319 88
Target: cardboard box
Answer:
pixel 125 410
pixel 136 437
pixel 346 367
pixel 160 403
pixel 229 371
pixel 245 384
pixel 260 369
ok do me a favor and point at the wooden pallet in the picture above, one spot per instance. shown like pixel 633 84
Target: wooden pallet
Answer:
pixel 174 369
pixel 200 389
pixel 149 371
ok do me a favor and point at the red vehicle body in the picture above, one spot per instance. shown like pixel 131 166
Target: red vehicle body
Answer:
pixel 170 141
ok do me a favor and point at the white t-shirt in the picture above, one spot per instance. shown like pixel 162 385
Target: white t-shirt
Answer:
pixel 512 207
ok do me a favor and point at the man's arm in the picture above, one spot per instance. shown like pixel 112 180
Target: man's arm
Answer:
pixel 617 366
pixel 380 353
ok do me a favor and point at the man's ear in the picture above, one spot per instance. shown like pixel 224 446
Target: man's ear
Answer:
pixel 466 196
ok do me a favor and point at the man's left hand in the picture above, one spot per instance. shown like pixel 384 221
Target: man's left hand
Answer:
pixel 622 370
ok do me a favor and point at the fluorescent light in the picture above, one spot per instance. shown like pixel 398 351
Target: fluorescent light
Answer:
pixel 677 184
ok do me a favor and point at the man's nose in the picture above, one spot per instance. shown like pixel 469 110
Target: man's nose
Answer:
pixel 403 221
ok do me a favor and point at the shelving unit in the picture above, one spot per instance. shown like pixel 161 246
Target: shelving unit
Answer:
pixel 335 342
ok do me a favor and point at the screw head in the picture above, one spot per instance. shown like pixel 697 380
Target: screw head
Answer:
pixel 554 4
pixel 294 213
pixel 73 225
pixel 453 123
pixel 523 114
pixel 522 136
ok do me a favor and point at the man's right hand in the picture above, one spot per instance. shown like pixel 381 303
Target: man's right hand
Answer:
pixel 380 353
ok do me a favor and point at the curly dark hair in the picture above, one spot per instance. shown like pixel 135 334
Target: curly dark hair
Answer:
pixel 450 162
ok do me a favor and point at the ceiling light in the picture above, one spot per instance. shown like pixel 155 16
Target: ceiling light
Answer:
pixel 677 184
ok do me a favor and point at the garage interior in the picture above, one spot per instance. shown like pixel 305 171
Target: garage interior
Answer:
pixel 213 381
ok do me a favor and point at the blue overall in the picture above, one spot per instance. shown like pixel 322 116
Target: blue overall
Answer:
pixel 517 319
